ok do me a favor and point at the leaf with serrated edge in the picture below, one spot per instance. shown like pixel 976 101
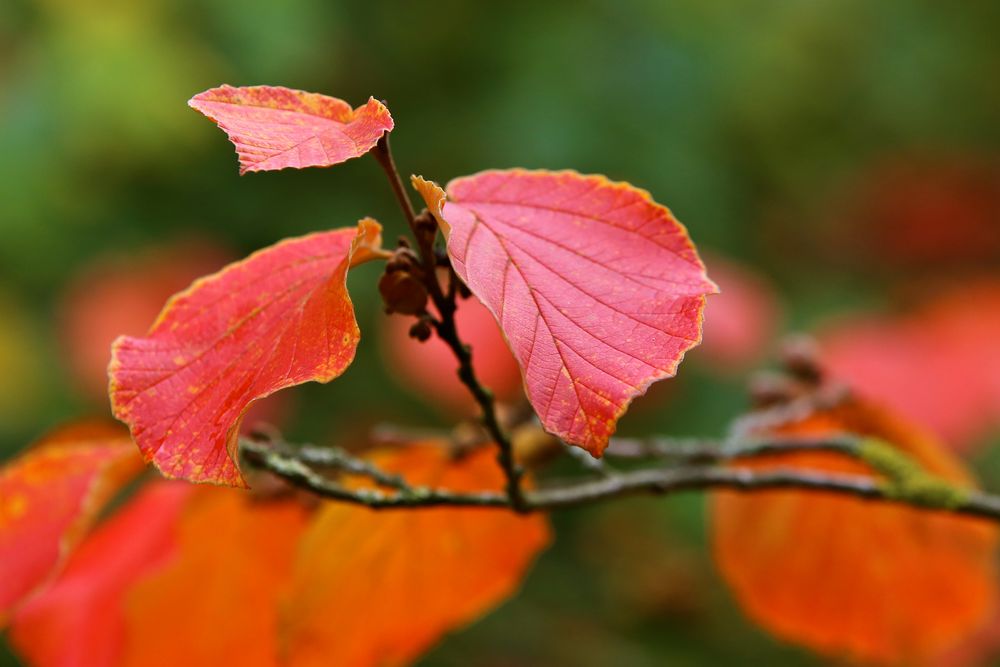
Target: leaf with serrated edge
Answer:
pixel 279 318
pixel 49 498
pixel 380 587
pixel 274 127
pixel 597 288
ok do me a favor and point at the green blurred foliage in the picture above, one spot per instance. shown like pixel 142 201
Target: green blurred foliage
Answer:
pixel 746 118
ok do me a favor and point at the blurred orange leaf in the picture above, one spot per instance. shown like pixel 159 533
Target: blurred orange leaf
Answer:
pixel 276 128
pixel 597 288
pixel 380 587
pixel 49 498
pixel 185 576
pixel 79 620
pixel 217 602
pixel 279 318
pixel 874 582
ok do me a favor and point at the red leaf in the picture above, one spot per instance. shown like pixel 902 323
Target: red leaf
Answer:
pixel 79 621
pixel 50 496
pixel 873 582
pixel 279 318
pixel 380 587
pixel 217 603
pixel 276 128
pixel 597 288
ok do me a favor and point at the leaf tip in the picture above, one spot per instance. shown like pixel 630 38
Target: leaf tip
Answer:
pixel 435 197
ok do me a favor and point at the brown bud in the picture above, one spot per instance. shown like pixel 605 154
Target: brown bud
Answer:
pixel 533 447
pixel 404 259
pixel 402 293
pixel 768 389
pixel 801 359
pixel 421 330
pixel 425 224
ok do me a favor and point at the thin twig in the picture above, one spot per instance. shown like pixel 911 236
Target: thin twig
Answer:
pixel 447 331
pixel 289 467
pixel 484 397
pixel 334 457
pixel 383 154
pixel 314 457
pixel 651 481
pixel 662 481
pixel 704 450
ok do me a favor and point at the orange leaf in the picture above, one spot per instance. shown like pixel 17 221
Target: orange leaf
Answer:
pixel 597 288
pixel 79 620
pixel 875 582
pixel 380 587
pixel 217 603
pixel 49 498
pixel 276 128
pixel 279 318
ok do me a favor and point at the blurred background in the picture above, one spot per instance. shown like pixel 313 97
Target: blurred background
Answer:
pixel 836 161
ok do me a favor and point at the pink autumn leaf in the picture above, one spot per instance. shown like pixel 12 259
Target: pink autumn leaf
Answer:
pixel 276 128
pixel 597 288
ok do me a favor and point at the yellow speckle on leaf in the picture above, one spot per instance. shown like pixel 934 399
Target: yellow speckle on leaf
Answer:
pixel 12 508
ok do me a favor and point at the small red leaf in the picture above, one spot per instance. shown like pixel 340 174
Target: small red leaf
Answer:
pixel 279 318
pixel 597 288
pixel 50 496
pixel 276 128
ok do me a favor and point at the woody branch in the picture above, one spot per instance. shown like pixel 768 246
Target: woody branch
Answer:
pixel 698 465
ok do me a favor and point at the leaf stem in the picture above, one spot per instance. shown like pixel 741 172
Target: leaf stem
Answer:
pixel 383 154
pixel 447 331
